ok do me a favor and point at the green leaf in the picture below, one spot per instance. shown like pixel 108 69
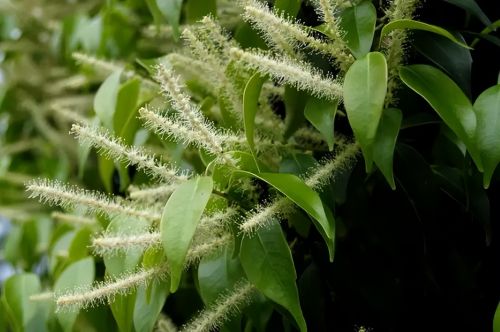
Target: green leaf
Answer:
pixel 268 264
pixel 80 275
pixel 218 273
pixel 365 87
pixel 487 108
pixel 179 221
pixel 171 9
pixel 125 121
pixel 195 10
pixel 471 7
pixel 295 101
pixel 358 22
pixel 250 105
pixel 455 60
pixel 24 314
pixel 289 7
pixel 385 142
pixel 496 319
pixel 416 25
pixel 321 114
pixel 448 100
pixel 148 304
pixel 298 192
pixel 105 99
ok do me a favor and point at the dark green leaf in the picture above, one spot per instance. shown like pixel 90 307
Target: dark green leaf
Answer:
pixel 455 60
pixel 268 264
pixel 179 221
pixel 416 25
pixel 358 22
pixel 448 101
pixel 218 273
pixel 365 87
pixel 385 142
pixel 295 102
pixel 487 108
pixel 195 10
pixel 289 7
pixel 471 7
pixel 321 114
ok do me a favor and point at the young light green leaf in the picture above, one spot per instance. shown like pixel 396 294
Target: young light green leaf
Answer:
pixel 250 101
pixel 385 142
pixel 448 101
pixel 105 99
pixel 179 221
pixel 268 264
pixel 487 108
pixel 79 274
pixel 416 25
pixel 358 22
pixel 24 314
pixel 365 87
pixel 321 114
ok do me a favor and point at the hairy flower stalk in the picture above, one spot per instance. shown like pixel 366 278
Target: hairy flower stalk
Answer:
pixel 224 307
pixel 114 148
pixel 211 233
pixel 282 207
pixel 56 193
pixel 394 44
pixel 106 291
pixel 281 32
pixel 326 10
pixel 151 194
pixel 207 135
pixel 297 74
pixel 109 67
pixel 73 219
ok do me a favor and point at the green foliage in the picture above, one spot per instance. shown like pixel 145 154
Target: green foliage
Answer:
pixel 216 171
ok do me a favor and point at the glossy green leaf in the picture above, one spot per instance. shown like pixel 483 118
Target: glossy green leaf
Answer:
pixel 289 7
pixel 125 120
pixel 105 99
pixel 79 274
pixel 179 221
pixel 25 314
pixel 455 60
pixel 385 142
pixel 448 101
pixel 471 7
pixel 268 264
pixel 365 87
pixel 416 25
pixel 321 114
pixel 250 105
pixel 358 22
pixel 487 108
pixel 298 192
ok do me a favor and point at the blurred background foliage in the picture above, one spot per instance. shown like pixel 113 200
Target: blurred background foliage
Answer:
pixel 428 252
